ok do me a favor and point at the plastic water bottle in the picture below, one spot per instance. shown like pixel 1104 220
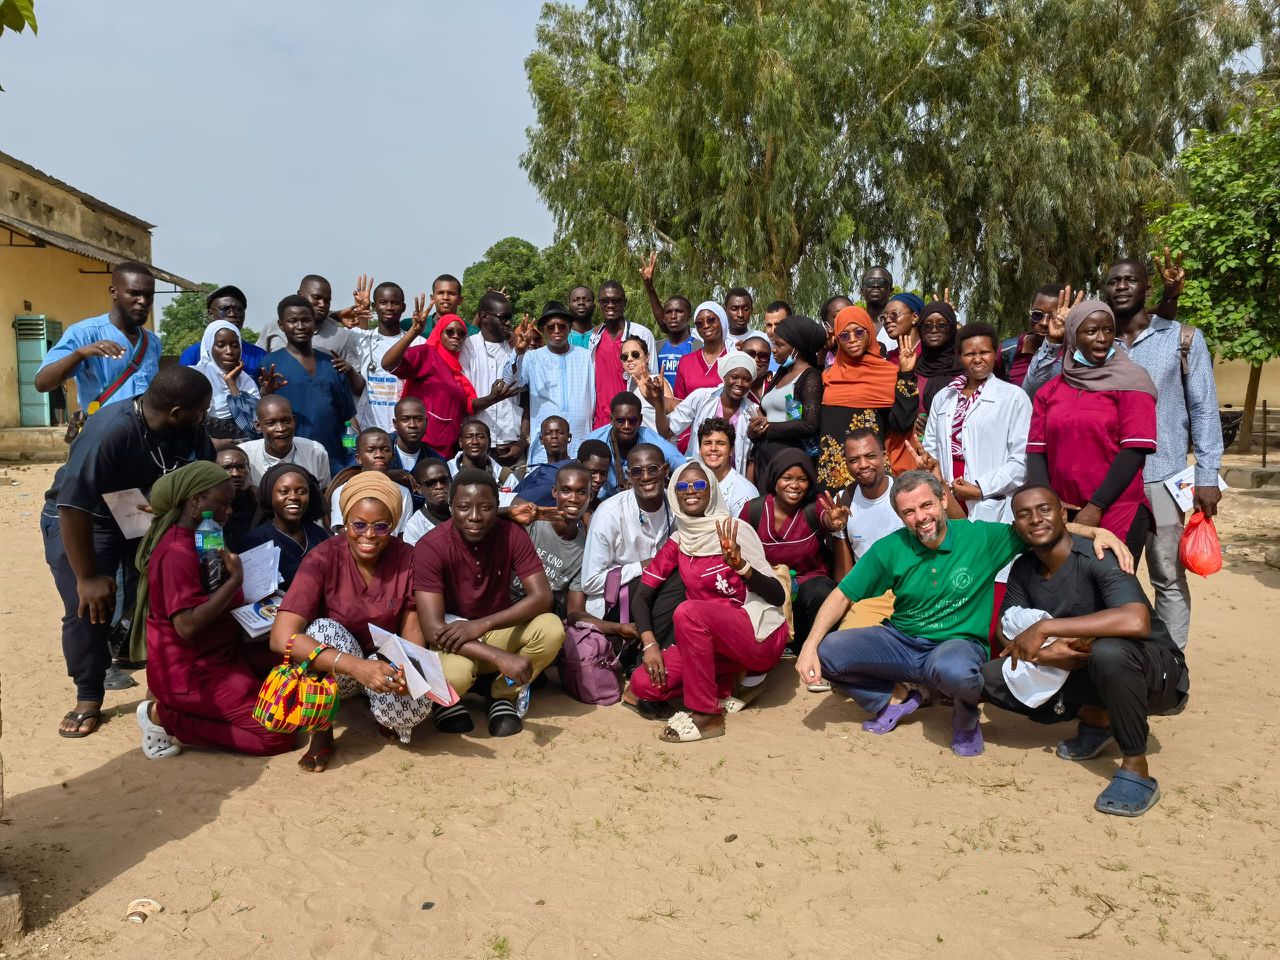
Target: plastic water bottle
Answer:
pixel 349 441
pixel 522 698
pixel 795 584
pixel 795 409
pixel 209 543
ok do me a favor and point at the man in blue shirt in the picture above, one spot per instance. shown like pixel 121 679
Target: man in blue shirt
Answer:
pixel 228 303
pixel 623 431
pixel 111 357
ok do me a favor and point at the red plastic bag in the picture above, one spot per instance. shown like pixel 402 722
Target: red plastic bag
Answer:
pixel 1199 549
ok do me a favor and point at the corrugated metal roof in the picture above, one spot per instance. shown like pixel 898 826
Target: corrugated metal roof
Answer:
pixel 87 199
pixel 86 249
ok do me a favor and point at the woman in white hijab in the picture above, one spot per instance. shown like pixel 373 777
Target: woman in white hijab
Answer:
pixel 731 621
pixel 235 396
pixel 731 400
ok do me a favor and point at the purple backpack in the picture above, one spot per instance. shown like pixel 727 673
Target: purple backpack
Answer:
pixel 588 662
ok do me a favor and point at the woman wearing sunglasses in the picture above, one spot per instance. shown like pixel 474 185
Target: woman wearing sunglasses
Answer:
pixel 361 578
pixel 290 502
pixel 729 623
pixel 698 368
pixel 864 390
pixel 652 389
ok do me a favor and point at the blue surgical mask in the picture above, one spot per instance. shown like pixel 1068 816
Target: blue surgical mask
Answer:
pixel 1080 358
pixel 787 362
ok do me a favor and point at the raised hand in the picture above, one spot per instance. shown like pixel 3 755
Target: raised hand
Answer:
pixel 363 293
pixel 651 389
pixel 945 297
pixel 907 344
pixel 1058 319
pixel 1172 274
pixel 419 321
pixel 101 348
pixel 269 381
pixel 729 547
pixel 523 513
pixel 836 516
pixel 232 379
pixel 646 272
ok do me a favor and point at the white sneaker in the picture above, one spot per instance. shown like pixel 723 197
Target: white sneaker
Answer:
pixel 156 742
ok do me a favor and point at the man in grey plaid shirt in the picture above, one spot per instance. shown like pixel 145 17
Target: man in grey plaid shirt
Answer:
pixel 1186 414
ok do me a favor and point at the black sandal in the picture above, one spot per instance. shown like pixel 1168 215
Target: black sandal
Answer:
pixel 651 709
pixel 81 718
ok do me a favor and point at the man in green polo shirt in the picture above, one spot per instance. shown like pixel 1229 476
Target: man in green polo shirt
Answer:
pixel 942 574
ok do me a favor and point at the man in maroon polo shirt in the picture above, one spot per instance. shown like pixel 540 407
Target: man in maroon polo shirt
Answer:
pixel 463 571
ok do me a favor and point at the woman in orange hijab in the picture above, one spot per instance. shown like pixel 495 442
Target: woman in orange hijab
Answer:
pixel 863 389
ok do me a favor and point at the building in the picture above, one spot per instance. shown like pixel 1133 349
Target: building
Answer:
pixel 57 247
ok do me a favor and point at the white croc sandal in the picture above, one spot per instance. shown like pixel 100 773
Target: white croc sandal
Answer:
pixel 820 686
pixel 156 742
pixel 686 731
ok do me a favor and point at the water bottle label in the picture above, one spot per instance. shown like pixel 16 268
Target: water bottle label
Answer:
pixel 795 409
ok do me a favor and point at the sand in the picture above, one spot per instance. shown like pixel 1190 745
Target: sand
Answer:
pixel 796 835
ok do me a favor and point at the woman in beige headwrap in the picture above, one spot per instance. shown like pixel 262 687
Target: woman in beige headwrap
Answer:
pixel 345 585
pixel 730 623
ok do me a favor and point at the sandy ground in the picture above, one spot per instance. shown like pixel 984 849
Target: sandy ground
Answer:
pixel 796 835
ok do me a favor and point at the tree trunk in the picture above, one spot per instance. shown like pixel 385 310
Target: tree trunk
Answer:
pixel 1244 440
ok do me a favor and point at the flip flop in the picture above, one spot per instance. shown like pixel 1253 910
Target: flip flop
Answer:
pixel 650 709
pixel 504 721
pixel 741 697
pixel 454 719
pixel 888 718
pixel 81 718
pixel 1128 795
pixel 819 686
pixel 317 762
pixel 681 729
pixel 1088 743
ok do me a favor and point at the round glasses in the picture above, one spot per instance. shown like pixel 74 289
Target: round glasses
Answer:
pixel 852 333
pixel 379 529
pixel 698 486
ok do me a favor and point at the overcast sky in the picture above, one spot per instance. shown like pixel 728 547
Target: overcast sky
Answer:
pixel 268 140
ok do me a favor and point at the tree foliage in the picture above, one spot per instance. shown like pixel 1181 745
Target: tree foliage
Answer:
pixel 531 276
pixel 17 15
pixel 1229 231
pixel 184 318
pixel 786 144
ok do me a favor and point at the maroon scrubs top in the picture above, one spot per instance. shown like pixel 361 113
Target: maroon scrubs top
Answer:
pixel 692 373
pixel 794 545
pixel 610 380
pixel 427 377
pixel 176 666
pixel 705 578
pixel 475 579
pixel 329 584
pixel 1081 431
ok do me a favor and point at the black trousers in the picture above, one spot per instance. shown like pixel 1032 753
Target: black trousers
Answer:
pixel 85 644
pixel 807 602
pixel 1130 679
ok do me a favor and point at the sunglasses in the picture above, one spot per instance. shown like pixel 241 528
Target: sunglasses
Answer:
pixel 1038 316
pixel 631 355
pixel 504 317
pixel 684 486
pixel 437 482
pixel 613 299
pixel 852 333
pixel 361 527
pixel 937 327
pixel 646 473
pixel 626 421
pixel 757 354
pixel 555 325
pixel 876 282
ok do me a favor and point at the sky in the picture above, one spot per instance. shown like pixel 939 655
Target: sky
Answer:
pixel 268 140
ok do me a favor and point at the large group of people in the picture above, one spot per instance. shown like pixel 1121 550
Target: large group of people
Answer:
pixel 911 509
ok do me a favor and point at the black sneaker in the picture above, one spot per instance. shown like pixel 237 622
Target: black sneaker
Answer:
pixel 117 679
pixel 503 719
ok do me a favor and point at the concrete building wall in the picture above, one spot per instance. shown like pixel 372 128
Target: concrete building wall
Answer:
pixel 1233 379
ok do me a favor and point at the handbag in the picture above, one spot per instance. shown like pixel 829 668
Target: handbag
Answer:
pixel 588 662
pixel 292 698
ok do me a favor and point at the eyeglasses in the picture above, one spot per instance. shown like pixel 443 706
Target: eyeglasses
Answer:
pixel 504 317
pixel 232 311
pixel 1039 316
pixel 361 527
pixel 555 325
pixel 936 327
pixel 632 355
pixel 757 354
pixel 645 473
pixel 684 486
pixel 876 282
pixel 437 482
pixel 625 421
pixel 613 299
pixel 852 333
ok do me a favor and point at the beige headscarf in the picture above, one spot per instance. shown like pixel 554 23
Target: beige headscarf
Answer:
pixel 372 485
pixel 698 537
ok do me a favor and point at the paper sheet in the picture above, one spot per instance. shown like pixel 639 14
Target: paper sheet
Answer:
pixel 261 571
pixel 123 505
pixel 256 618
pixel 423 671
pixel 1182 487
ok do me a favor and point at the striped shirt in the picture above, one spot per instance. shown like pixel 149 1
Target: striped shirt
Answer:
pixel 560 384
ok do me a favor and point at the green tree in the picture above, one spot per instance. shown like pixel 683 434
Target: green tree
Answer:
pixel 17 15
pixel 785 144
pixel 1229 232
pixel 184 319
pixel 511 264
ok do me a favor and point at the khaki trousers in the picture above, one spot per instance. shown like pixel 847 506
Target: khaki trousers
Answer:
pixel 540 640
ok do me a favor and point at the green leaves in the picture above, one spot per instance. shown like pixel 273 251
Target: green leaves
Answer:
pixel 17 15
pixel 184 319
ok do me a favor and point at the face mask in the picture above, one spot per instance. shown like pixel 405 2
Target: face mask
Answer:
pixel 1080 357
pixel 787 362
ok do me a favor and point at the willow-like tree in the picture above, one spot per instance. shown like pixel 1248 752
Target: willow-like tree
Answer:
pixel 1229 228
pixel 785 144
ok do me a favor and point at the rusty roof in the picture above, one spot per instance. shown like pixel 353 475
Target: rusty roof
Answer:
pixel 88 200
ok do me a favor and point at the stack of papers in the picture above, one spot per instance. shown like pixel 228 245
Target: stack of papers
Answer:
pixel 261 583
pixel 257 617
pixel 1181 487
pixel 423 671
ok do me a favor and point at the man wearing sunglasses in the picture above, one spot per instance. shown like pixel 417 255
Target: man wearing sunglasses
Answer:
pixel 622 433
pixel 1016 352
pixel 605 348
pixel 877 288
pixel 484 356
pixel 558 377
pixel 228 303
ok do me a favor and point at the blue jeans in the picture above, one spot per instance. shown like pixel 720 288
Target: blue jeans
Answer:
pixel 866 662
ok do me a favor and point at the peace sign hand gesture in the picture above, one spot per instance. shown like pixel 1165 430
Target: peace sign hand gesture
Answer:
pixel 836 516
pixel 945 297
pixel 646 271
pixel 1172 274
pixel 419 321
pixel 1058 319
pixel 729 547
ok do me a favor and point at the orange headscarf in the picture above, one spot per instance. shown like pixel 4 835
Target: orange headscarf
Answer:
pixel 869 381
pixel 451 359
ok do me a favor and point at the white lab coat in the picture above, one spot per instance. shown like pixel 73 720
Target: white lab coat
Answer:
pixel 995 444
